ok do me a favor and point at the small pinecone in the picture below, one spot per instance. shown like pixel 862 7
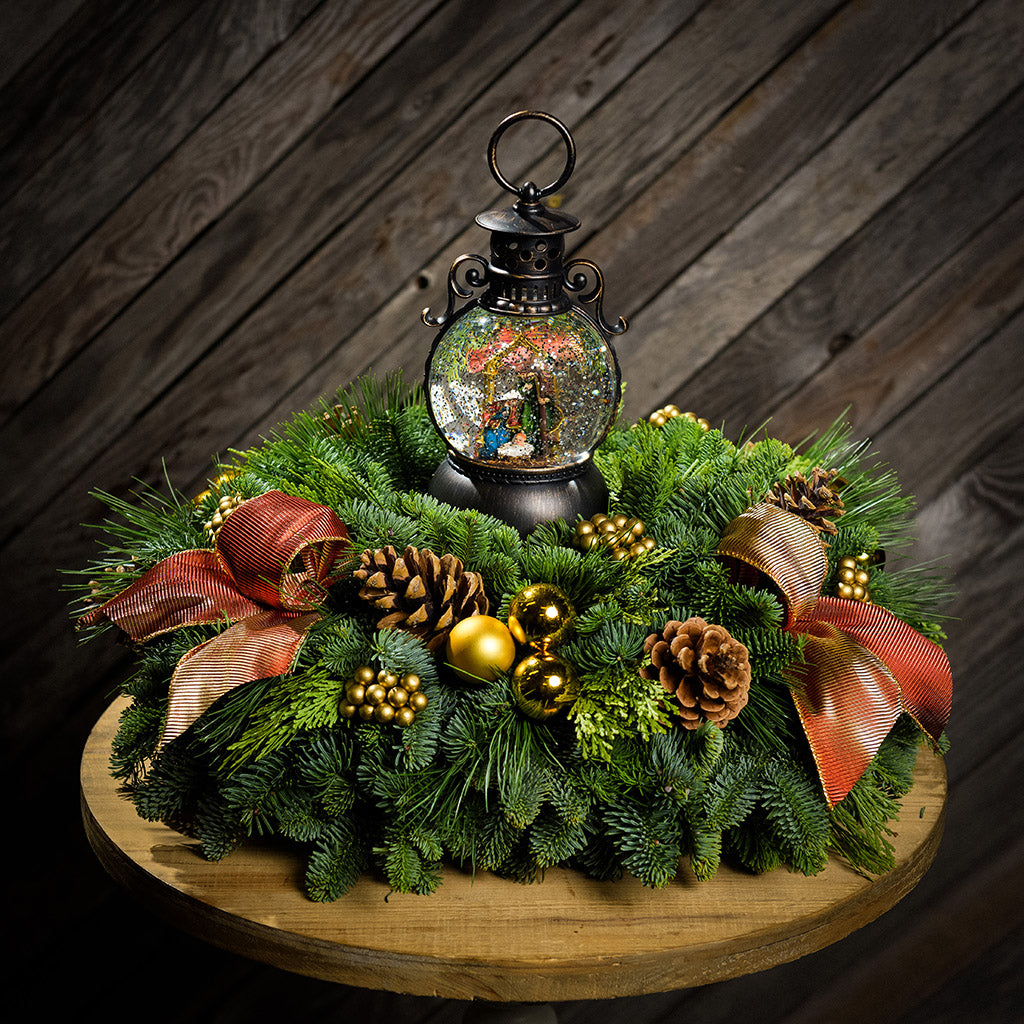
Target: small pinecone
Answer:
pixel 706 669
pixel 813 500
pixel 420 592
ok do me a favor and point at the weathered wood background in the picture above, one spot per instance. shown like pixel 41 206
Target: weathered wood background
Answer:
pixel 213 212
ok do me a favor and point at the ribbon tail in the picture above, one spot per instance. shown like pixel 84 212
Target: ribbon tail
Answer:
pixel 262 645
pixel 848 702
pixel 864 668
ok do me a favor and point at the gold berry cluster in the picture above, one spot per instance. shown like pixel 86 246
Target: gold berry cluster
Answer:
pixel 670 412
pixel 383 697
pixel 227 504
pixel 620 534
pixel 853 578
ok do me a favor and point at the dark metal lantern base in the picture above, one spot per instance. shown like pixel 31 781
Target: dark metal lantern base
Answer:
pixel 523 503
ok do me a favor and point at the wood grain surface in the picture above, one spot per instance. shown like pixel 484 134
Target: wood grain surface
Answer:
pixel 481 937
pixel 212 212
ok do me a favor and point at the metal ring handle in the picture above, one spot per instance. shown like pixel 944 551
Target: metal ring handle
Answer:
pixel 529 191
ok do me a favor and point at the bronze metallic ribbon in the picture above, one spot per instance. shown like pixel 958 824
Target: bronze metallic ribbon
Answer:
pixel 862 667
pixel 275 557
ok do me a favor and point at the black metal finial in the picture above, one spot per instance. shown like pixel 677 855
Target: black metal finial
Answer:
pixel 526 273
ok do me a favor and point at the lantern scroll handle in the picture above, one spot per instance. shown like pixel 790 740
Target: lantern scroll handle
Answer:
pixel 576 282
pixel 475 277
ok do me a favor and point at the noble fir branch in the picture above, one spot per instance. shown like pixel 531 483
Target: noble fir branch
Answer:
pixel 647 836
pixel 751 845
pixel 646 476
pixel 339 856
pixel 556 836
pixel 325 766
pixel 797 815
pixel 376 525
pixel 410 861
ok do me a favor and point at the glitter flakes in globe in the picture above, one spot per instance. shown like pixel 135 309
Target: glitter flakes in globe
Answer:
pixel 523 392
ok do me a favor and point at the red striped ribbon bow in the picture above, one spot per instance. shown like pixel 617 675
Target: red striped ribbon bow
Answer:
pixel 275 557
pixel 862 665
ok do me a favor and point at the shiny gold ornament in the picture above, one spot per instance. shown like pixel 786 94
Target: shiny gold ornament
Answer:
pixel 383 697
pixel 541 615
pixel 543 684
pixel 620 534
pixel 480 648
pixel 853 578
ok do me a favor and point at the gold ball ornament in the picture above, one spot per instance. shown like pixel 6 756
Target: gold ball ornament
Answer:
pixel 480 648
pixel 543 684
pixel 541 615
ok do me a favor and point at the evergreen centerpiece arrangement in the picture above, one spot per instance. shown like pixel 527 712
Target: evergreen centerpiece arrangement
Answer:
pixel 329 656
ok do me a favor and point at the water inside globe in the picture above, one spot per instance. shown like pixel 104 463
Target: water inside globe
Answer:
pixel 529 392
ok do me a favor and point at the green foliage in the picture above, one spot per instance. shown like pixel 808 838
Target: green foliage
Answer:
pixel 616 785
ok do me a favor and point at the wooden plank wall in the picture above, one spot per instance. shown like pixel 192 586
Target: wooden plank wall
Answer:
pixel 213 211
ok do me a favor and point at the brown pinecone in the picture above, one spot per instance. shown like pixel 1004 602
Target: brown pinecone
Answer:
pixel 815 500
pixel 706 669
pixel 420 592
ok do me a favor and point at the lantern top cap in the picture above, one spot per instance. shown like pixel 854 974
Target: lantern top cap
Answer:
pixel 529 216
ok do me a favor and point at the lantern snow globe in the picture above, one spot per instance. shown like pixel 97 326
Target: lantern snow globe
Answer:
pixel 522 382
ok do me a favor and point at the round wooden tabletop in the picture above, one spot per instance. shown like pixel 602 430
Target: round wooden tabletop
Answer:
pixel 484 938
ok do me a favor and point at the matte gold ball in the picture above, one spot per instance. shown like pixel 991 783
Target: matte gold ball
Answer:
pixel 397 696
pixel 411 682
pixel 541 614
pixel 480 648
pixel 356 693
pixel 347 710
pixel 375 694
pixel 384 713
pixel 418 700
pixel 366 712
pixel 405 717
pixel 543 684
pixel 364 674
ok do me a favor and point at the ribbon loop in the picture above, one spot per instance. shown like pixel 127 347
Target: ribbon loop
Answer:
pixel 863 666
pixel 276 556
